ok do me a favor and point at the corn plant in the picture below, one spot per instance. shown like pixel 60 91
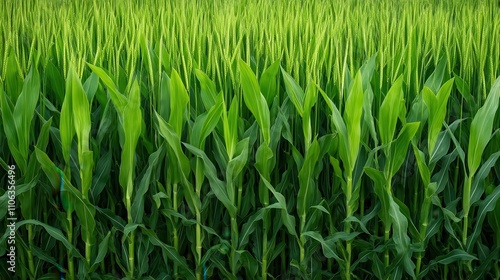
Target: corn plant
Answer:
pixel 250 140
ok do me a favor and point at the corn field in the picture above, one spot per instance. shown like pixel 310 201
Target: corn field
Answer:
pixel 323 139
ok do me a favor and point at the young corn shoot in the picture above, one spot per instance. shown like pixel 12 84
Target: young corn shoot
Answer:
pixel 130 116
pixel 257 105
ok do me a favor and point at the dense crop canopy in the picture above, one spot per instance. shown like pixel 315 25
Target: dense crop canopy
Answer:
pixel 321 139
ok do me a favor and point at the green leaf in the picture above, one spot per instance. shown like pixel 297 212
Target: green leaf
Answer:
pixel 102 175
pixel 169 251
pixel 235 165
pixel 455 255
pixel 327 246
pixel 84 210
pixel 263 158
pixel 249 263
pixel 487 205
pixel 54 232
pixel 442 144
pixel 208 91
pixel 478 183
pixel 43 137
pixel 340 127
pixel 10 130
pixel 216 185
pixel 206 122
pixel 367 71
pixel 464 89
pixel 311 97
pixel 66 124
pixel 249 227
pixel 102 252
pixel 24 111
pixel 48 167
pixel 436 78
pixel 389 111
pixel 486 263
pixel 268 82
pixel 400 235
pixel 369 120
pixel 306 195
pixel 44 256
pixel 143 187
pixel 90 86
pixel 181 160
pixel 231 128
pixel 80 108
pixel 81 122
pixel 437 111
pixel 178 102
pixel 13 79
pixel 288 220
pixel 294 91
pixel 255 101
pixel 481 128
pixel 164 97
pixel 382 194
pixel 352 115
pixel 118 99
pixel 132 122
pixel 7 118
pixel 422 167
pixel 399 147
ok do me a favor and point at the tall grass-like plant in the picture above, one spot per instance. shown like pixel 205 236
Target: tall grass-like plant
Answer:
pixel 130 118
pixel 188 140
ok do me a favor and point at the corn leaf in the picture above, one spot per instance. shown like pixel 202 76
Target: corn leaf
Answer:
pixel 255 101
pixel 481 127
pixel 268 82
pixel 389 111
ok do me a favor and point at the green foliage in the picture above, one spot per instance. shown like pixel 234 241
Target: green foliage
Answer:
pixel 244 140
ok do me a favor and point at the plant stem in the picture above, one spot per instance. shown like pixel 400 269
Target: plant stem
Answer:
pixel 265 220
pixel 234 245
pixel 23 270
pixel 362 202
pixel 176 237
pixel 387 227
pixel 234 230
pixel 446 266
pixel 264 251
pixel 71 265
pixel 424 221
pixel 240 192
pixel 302 238
pixel 386 239
pixel 497 270
pixel 283 253
pixel 416 188
pixel 131 253
pixel 347 226
pixel 466 206
pixel 88 251
pixel 31 264
pixel 199 272
pixel 199 176
pixel 131 239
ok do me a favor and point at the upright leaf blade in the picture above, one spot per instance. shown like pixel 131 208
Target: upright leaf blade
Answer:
pixel 352 115
pixel 255 101
pixel 389 111
pixel 178 102
pixel 481 127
